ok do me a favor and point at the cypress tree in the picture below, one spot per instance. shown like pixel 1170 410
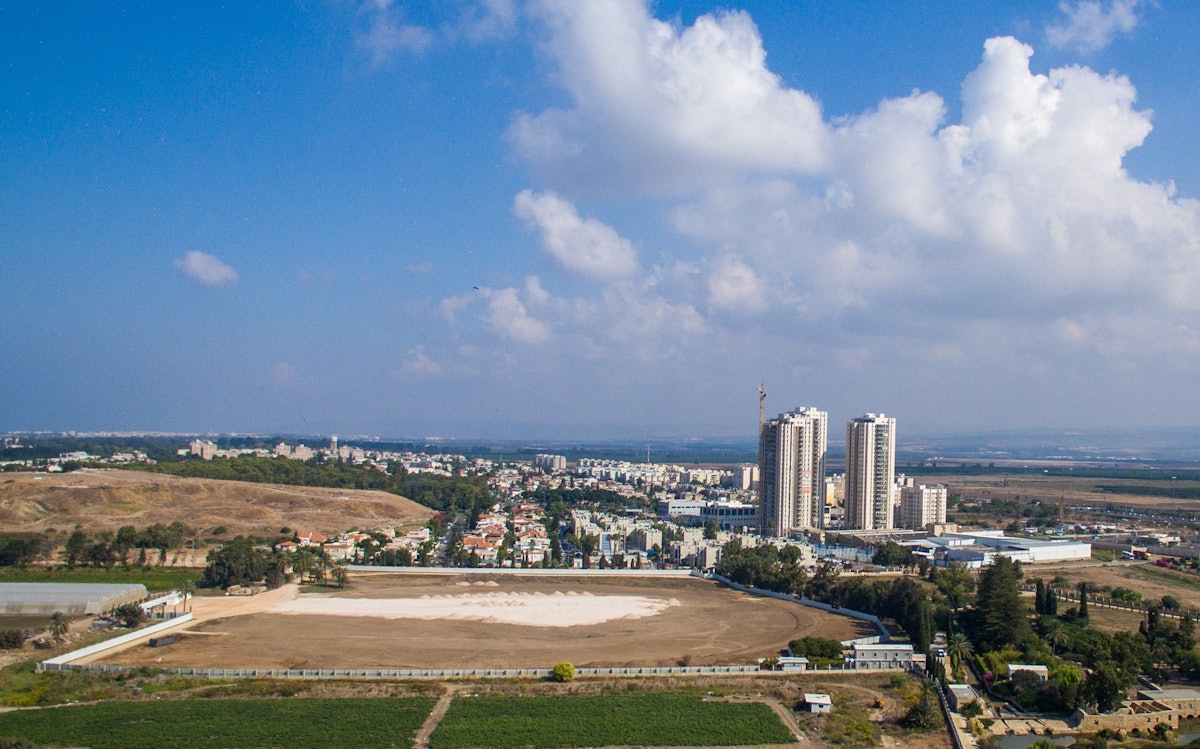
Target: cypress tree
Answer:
pixel 1083 610
pixel 1039 597
pixel 1001 614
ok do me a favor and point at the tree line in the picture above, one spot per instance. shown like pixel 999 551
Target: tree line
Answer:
pixel 902 599
pixel 468 494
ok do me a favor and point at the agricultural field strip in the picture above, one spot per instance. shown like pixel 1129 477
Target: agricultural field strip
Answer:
pixel 327 723
pixel 650 719
pixel 655 719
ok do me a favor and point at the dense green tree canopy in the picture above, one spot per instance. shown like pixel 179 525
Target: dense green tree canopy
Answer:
pixel 1000 615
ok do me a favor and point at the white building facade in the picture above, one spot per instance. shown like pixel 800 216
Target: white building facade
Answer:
pixel 870 472
pixel 791 469
pixel 921 505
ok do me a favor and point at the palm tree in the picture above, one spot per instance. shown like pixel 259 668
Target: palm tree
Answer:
pixel 188 589
pixel 322 562
pixel 340 576
pixel 58 625
pixel 959 649
pixel 1056 636
pixel 302 562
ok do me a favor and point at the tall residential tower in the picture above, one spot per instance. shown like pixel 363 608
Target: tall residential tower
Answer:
pixel 791 472
pixel 870 472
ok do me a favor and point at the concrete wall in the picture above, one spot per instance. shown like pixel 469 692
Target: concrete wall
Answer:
pixel 1125 720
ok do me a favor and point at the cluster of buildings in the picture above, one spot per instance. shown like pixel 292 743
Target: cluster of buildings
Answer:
pixel 528 546
pixel 795 495
pixel 55 465
pixel 440 464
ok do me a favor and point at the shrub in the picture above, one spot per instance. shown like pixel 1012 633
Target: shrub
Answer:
pixel 972 709
pixel 563 672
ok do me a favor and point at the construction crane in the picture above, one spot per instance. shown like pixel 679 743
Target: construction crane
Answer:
pixel 762 406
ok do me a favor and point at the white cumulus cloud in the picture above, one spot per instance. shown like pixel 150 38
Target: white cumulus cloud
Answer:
pixel 1010 245
pixel 1089 25
pixel 206 269
pixel 585 247
pixel 665 107
pixel 508 317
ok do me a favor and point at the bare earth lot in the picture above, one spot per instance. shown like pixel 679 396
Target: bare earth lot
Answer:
pixel 107 499
pixel 694 622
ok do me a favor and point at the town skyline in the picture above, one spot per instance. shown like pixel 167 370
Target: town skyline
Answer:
pixel 604 220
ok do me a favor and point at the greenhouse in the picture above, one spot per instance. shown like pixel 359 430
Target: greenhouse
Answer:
pixel 72 599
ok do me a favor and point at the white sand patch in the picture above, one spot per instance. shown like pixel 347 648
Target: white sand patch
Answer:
pixel 560 609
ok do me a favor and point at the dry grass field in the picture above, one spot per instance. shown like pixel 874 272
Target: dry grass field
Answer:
pixel 1073 491
pixel 108 499
pixel 706 624
pixel 1151 581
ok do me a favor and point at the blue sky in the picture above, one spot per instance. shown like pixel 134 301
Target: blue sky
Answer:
pixel 597 219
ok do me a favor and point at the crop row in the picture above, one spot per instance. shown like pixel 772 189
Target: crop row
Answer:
pixel 651 719
pixel 290 723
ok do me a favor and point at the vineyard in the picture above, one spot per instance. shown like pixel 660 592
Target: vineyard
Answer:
pixel 290 723
pixel 655 719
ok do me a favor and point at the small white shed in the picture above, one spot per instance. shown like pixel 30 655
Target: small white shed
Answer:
pixel 816 702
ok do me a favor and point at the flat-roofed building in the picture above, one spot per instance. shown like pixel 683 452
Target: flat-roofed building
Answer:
pixel 870 472
pixel 791 469
pixel 922 505
pixel 884 656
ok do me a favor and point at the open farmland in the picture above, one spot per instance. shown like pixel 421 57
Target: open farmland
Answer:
pixel 684 621
pixel 108 499
pixel 323 723
pixel 646 719
pixel 1095 491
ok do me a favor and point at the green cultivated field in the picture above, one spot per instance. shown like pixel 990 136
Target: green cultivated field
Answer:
pixel 651 719
pixel 154 578
pixel 290 723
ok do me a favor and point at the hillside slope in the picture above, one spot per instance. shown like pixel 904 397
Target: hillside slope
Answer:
pixel 107 499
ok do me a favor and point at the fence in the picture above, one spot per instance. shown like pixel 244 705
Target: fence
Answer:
pixel 518 571
pixel 955 735
pixel 65 662
pixel 462 673
pixel 882 637
pixel 61 662
pixel 1096 599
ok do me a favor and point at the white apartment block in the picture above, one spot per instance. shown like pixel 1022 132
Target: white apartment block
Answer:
pixel 550 463
pixel 791 468
pixel 921 505
pixel 870 472
pixel 745 477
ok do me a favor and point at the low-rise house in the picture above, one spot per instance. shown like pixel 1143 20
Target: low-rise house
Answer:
pixel 792 663
pixel 311 539
pixel 816 702
pixel 889 656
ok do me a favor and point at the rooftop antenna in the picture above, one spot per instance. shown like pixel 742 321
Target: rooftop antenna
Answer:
pixel 762 406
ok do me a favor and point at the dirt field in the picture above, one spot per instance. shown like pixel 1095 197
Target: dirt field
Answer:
pixel 108 499
pixel 1151 581
pixel 709 624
